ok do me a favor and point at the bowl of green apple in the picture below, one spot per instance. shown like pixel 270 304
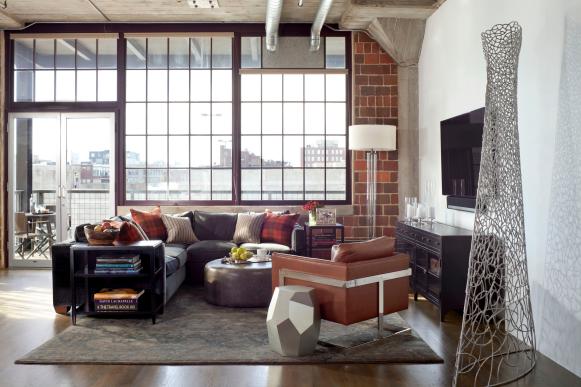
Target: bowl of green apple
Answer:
pixel 240 255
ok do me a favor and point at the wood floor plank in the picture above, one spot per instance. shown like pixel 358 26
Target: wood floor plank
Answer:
pixel 27 320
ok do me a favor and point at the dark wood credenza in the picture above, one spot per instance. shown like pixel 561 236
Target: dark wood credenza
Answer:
pixel 439 257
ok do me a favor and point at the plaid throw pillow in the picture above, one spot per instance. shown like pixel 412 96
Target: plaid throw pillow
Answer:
pixel 278 228
pixel 128 233
pixel 151 223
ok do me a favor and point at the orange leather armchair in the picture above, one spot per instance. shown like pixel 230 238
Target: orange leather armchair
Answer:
pixel 349 292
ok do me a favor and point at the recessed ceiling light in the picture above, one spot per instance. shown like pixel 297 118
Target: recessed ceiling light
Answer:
pixel 203 3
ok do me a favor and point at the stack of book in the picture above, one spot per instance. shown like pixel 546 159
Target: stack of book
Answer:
pixel 116 264
pixel 117 300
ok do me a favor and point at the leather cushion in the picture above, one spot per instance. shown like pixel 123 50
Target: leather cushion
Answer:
pixel 362 251
pixel 203 252
pixel 214 226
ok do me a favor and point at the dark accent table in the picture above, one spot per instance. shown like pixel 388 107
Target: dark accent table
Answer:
pixel 245 285
pixel 439 256
pixel 151 278
pixel 321 237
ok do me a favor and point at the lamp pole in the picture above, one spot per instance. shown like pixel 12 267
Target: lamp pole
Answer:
pixel 371 157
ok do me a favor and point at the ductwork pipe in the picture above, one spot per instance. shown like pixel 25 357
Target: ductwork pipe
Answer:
pixel 318 23
pixel 273 11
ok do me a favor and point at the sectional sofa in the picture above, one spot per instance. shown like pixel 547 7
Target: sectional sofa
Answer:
pixel 215 232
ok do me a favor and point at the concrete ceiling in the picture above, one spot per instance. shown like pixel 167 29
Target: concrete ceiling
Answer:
pixel 350 13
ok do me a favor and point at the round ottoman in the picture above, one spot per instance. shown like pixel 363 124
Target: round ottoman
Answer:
pixel 246 285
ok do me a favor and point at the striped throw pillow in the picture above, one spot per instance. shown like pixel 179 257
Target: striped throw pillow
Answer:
pixel 179 229
pixel 248 227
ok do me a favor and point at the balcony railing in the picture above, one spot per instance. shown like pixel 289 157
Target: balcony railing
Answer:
pixel 83 205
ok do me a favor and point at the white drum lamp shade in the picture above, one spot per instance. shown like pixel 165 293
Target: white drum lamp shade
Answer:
pixel 372 137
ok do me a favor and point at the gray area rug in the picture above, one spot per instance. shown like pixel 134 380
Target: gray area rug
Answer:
pixel 192 332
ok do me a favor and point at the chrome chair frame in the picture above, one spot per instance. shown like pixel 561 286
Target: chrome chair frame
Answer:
pixel 378 279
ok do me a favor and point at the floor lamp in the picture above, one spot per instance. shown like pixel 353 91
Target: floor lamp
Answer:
pixel 371 139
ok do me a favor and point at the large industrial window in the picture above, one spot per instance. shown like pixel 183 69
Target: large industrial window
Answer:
pixel 293 121
pixel 201 117
pixel 293 136
pixel 178 122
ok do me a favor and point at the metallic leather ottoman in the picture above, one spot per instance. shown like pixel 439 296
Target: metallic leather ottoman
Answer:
pixel 246 285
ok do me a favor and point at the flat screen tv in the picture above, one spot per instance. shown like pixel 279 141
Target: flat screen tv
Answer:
pixel 461 142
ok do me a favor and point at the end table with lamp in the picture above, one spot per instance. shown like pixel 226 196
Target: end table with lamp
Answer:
pixel 372 139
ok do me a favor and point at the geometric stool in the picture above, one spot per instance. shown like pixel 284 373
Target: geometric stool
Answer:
pixel 293 321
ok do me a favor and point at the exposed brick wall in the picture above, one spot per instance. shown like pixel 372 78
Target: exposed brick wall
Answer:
pixel 374 102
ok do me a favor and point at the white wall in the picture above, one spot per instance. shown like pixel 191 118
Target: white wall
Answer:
pixel 452 81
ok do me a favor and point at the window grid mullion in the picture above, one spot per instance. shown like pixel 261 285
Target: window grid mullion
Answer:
pixel 325 136
pixel 54 69
pixel 282 140
pixel 96 70
pixel 304 140
pixel 146 119
pixel 211 120
pixel 76 71
pixel 190 118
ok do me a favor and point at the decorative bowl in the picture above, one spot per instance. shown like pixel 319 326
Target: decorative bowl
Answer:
pixel 100 238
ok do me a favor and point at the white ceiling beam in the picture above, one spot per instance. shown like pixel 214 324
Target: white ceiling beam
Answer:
pixel 361 13
pixel 7 21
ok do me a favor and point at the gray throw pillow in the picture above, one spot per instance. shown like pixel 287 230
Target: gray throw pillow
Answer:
pixel 179 229
pixel 248 227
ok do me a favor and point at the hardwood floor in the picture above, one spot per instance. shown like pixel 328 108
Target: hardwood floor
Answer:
pixel 27 320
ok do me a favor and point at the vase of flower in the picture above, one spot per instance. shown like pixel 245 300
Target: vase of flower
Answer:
pixel 311 208
pixel 313 217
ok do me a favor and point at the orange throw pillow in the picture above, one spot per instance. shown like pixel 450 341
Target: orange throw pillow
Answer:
pixel 151 223
pixel 362 251
pixel 128 233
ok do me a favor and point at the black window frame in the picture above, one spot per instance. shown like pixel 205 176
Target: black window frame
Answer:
pixel 118 107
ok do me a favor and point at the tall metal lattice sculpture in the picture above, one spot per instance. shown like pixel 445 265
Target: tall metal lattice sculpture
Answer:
pixel 497 343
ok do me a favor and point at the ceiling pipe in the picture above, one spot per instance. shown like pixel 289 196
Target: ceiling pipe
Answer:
pixel 273 11
pixel 318 23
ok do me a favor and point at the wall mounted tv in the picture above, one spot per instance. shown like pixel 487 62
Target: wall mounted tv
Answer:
pixel 461 141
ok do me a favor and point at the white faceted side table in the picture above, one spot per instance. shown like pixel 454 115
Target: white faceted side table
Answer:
pixel 293 321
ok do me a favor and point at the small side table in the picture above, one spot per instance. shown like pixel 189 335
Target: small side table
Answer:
pixel 321 237
pixel 151 278
pixel 293 320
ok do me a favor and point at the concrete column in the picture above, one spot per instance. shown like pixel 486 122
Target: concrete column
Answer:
pixel 402 39
pixel 408 134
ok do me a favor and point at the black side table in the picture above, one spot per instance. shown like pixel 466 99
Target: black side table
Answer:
pixel 321 237
pixel 151 278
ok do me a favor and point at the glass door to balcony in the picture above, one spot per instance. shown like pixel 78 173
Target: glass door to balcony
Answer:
pixel 61 175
